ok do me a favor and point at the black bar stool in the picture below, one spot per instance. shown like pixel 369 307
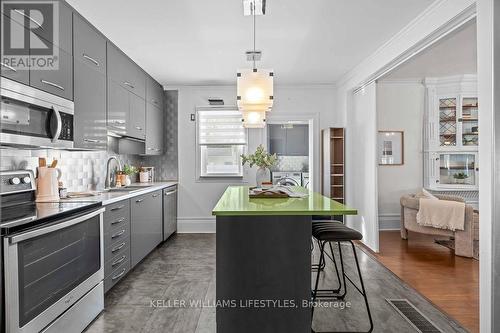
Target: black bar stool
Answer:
pixel 326 232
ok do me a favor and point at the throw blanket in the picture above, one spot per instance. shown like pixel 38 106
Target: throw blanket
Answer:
pixel 442 214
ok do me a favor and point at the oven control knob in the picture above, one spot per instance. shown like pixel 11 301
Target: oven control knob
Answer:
pixel 26 180
pixel 15 181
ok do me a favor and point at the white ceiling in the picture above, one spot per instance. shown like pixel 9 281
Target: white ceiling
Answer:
pixel 203 42
pixel 456 54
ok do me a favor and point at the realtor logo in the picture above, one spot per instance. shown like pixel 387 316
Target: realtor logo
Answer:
pixel 30 29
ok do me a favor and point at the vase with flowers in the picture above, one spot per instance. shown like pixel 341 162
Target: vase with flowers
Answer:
pixel 127 172
pixel 264 161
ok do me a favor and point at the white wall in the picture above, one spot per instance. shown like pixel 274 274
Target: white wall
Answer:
pixel 361 165
pixel 197 198
pixel 400 107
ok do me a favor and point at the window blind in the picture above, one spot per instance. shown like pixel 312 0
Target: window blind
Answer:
pixel 221 128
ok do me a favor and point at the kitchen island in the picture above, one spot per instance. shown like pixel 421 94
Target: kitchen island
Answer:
pixel 263 269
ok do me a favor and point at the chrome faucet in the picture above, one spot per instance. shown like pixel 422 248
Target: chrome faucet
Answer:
pixel 109 182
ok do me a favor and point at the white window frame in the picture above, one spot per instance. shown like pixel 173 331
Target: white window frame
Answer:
pixel 198 159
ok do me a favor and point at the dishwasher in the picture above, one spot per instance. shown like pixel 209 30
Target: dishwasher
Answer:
pixel 169 211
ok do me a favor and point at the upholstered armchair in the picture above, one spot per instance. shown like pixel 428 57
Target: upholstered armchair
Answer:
pixel 464 239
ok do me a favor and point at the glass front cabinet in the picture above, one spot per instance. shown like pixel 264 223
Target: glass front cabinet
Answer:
pixel 452 171
pixel 451 133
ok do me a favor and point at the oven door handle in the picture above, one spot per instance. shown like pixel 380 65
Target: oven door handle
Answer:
pixel 58 124
pixel 42 231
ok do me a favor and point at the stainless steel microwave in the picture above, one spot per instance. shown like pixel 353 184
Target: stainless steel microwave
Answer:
pixel 31 117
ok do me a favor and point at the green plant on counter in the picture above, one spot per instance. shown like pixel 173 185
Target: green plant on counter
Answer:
pixel 260 158
pixel 460 175
pixel 129 169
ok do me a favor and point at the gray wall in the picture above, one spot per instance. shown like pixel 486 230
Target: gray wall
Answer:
pixel 86 170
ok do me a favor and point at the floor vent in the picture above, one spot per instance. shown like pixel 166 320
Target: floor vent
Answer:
pixel 416 318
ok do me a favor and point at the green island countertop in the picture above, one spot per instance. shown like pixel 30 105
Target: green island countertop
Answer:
pixel 236 202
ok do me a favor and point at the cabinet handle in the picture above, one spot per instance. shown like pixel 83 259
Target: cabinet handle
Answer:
pixel 118 234
pixel 157 149
pixel 437 181
pixel 118 248
pixel 118 221
pixel 20 12
pixel 8 67
pixel 117 208
pixel 89 58
pixel 92 140
pixel 139 200
pixel 170 193
pixel 149 148
pixel 55 85
pixel 119 275
pixel 118 261
pixel 128 84
pixel 155 195
pixel 138 128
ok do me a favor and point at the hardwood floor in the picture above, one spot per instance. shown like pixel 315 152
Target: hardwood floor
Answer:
pixel 450 282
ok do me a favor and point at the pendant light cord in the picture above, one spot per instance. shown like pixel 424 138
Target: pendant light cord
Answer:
pixel 253 13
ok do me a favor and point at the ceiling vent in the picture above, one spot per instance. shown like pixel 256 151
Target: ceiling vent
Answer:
pixel 259 5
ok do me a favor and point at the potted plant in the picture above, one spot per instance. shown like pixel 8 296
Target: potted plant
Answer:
pixel 263 160
pixel 460 177
pixel 128 170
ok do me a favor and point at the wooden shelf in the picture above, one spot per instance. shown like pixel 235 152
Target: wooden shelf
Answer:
pixel 333 152
pixel 447 120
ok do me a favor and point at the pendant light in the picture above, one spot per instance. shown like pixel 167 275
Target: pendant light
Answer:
pixel 254 88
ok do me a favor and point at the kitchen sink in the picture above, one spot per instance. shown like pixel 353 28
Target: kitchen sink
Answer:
pixel 130 188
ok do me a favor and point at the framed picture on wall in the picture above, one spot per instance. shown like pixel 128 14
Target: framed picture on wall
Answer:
pixel 390 147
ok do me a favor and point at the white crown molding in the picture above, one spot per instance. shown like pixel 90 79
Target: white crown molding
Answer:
pixel 404 36
pixel 408 81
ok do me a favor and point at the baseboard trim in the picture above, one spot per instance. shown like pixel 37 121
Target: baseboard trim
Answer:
pixel 389 221
pixel 196 225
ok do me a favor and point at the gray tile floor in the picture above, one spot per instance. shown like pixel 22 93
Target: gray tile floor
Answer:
pixel 183 269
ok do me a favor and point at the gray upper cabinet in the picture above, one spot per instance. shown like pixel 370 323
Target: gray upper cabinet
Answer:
pixel 297 141
pixel 118 108
pixel 65 34
pixel 155 128
pixel 89 45
pixel 290 140
pixel 154 92
pixel 56 81
pixel 146 224
pixel 125 72
pixel 89 86
pixel 12 72
pixel 276 139
pixel 136 123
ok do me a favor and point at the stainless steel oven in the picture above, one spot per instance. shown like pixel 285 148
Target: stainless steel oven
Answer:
pixel 34 118
pixel 53 275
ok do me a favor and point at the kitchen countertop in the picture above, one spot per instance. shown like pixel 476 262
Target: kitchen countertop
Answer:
pixel 236 202
pixel 109 197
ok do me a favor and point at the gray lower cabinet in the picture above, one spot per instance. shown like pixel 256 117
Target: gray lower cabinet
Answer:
pixel 155 129
pixel 146 224
pixel 116 242
pixel 169 211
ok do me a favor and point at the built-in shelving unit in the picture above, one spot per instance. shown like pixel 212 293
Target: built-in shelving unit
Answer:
pixel 333 164
pixel 451 134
